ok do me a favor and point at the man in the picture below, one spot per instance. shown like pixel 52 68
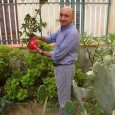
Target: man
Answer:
pixel 66 41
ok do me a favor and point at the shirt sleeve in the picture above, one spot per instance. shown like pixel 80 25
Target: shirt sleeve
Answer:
pixel 71 41
pixel 51 38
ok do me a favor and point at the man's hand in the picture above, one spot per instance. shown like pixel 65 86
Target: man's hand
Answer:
pixel 36 50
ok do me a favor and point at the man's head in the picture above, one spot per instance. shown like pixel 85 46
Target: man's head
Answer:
pixel 66 16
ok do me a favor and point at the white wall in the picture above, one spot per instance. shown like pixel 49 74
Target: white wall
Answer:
pixel 50 14
pixel 112 17
pixel 95 16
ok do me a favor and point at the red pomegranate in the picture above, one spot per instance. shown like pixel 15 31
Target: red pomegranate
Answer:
pixel 33 42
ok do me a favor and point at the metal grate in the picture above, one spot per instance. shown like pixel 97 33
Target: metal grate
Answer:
pixel 91 16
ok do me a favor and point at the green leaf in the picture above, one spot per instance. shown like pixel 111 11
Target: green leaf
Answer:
pixel 69 108
pixel 42 93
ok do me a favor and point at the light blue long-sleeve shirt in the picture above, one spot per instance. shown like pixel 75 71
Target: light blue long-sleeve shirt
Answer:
pixel 67 40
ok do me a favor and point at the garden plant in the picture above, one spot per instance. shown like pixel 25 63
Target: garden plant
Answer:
pixel 103 68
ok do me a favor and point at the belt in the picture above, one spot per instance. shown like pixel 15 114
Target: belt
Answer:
pixel 55 64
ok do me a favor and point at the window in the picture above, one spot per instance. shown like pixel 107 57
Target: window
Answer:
pixel 7 23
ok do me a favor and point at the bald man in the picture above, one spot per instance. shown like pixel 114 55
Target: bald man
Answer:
pixel 64 55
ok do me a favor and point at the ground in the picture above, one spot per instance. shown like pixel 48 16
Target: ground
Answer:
pixel 29 108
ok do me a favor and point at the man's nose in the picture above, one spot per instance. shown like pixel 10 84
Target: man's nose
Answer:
pixel 63 17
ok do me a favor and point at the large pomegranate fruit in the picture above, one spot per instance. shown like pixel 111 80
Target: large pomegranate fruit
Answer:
pixel 33 42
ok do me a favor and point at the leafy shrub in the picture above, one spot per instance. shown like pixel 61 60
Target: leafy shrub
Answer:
pixel 25 71
pixel 99 51
pixel 50 84
pixel 4 64
pixel 80 77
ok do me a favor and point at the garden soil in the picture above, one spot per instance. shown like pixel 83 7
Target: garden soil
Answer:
pixel 29 108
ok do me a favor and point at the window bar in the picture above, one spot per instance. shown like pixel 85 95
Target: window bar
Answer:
pixel 61 3
pixel 15 22
pixel 42 15
pixel 105 19
pixel 80 16
pixel 85 17
pixel 100 19
pixel 59 10
pixel 48 19
pixel 108 14
pixel 0 35
pixel 54 13
pixel 73 4
pixel 69 3
pixel 5 22
pixel 64 2
pixel 38 33
pixel 75 14
pixel 31 7
pixel 25 5
pixel 95 19
pixel 20 13
pixel 90 19
pixel 10 23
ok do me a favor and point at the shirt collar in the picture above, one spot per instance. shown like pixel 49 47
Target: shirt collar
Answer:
pixel 63 28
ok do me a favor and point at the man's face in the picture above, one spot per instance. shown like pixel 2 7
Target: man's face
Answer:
pixel 66 17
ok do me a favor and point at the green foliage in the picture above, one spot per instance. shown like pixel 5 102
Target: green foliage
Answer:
pixel 3 102
pixel 70 108
pixel 14 91
pixel 103 84
pixel 47 92
pixel 31 24
pixel 13 88
pixel 102 59
pixel 98 110
pixel 50 84
pixel 22 80
pixel 43 1
pixel 81 77
pixel 4 62
pixel 24 71
pixel 42 93
pixel 99 51
pixel 92 107
pixel 78 97
pixel 22 94
pixel 43 96
pixel 111 41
